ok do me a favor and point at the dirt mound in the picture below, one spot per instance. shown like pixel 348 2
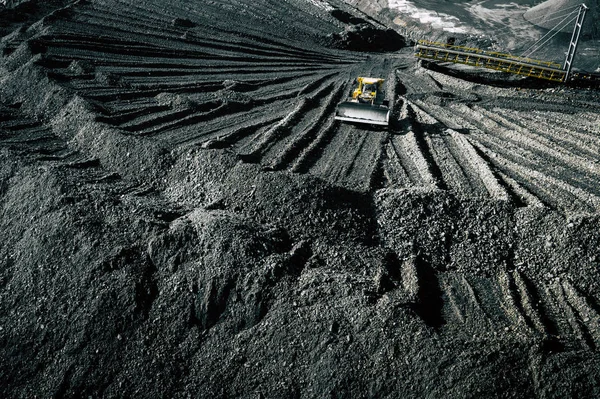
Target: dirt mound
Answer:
pixel 366 37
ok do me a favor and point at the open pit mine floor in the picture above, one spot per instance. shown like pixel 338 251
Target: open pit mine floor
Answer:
pixel 181 215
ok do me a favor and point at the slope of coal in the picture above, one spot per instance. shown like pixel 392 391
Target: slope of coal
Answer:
pixel 184 217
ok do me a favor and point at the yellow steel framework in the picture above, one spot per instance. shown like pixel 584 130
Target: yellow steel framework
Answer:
pixel 492 60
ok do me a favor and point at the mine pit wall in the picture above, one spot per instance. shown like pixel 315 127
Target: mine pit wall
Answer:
pixel 380 10
pixel 72 119
pixel 544 16
pixel 377 9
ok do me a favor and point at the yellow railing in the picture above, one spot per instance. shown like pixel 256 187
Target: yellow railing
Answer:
pixel 495 54
pixel 491 60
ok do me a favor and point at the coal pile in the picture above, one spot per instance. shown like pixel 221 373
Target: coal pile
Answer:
pixel 182 216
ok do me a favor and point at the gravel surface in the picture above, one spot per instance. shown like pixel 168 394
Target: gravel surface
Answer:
pixel 183 217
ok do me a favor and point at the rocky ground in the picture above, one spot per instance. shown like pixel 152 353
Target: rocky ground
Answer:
pixel 183 217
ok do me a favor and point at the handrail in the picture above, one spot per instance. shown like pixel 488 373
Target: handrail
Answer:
pixel 490 53
pixel 490 60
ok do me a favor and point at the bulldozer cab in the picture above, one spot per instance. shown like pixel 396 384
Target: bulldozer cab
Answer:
pixel 367 89
pixel 368 93
pixel 370 88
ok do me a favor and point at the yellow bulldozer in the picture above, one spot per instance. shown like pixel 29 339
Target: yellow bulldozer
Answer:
pixel 366 104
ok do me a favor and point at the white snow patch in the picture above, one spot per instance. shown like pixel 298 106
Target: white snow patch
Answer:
pixel 509 15
pixel 435 19
pixel 322 4
pixel 503 21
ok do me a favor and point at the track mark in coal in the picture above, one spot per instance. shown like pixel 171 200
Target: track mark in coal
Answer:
pixel 463 303
pixel 569 304
pixel 512 302
pixel 552 191
pixel 588 317
pixel 301 141
pixel 528 303
pixel 538 309
pixel 558 312
pixel 32 138
pixel 481 167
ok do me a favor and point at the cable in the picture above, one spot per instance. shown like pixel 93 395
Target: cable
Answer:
pixel 547 40
pixel 508 28
pixel 555 18
pixel 556 12
pixel 549 32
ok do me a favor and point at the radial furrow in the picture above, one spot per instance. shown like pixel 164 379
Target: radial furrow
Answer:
pixel 298 143
pixel 452 170
pixel 512 303
pixel 569 138
pixel 488 296
pixel 257 149
pixel 539 144
pixel 351 158
pixel 235 131
pixel 521 196
pixel 413 159
pixel 589 318
pixel 395 169
pixel 550 190
pixel 482 168
pixel 569 314
pixel 530 303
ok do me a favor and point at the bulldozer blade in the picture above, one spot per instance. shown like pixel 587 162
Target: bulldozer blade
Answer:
pixel 363 113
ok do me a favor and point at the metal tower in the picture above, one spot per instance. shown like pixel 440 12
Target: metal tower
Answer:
pixel 575 40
